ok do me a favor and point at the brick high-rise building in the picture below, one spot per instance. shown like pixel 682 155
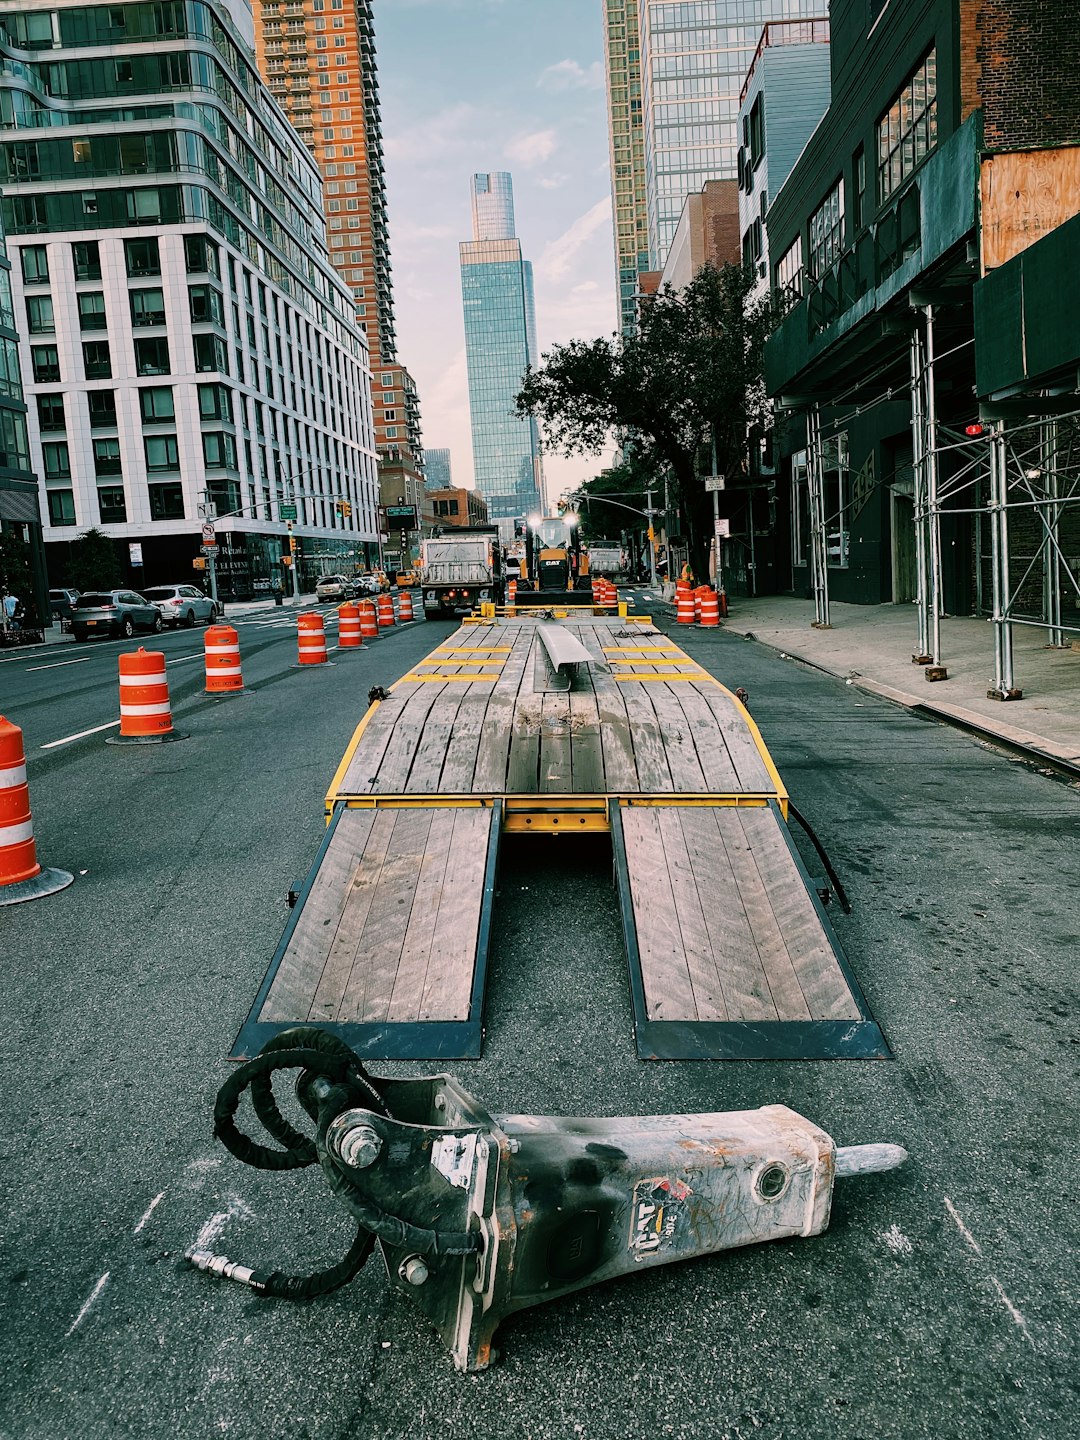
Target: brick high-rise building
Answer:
pixel 318 58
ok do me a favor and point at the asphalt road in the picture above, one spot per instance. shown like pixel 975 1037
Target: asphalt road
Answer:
pixel 940 1303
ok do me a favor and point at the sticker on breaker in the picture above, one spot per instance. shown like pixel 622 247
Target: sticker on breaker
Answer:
pixel 659 1215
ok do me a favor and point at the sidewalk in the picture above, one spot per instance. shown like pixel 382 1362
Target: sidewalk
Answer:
pixel 872 645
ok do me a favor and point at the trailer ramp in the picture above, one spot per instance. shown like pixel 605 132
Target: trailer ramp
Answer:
pixel 731 954
pixel 388 944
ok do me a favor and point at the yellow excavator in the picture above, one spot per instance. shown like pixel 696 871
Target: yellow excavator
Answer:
pixel 554 567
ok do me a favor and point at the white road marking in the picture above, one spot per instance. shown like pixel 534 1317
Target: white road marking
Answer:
pixel 52 744
pixel 154 1203
pixel 217 1222
pixel 897 1241
pixel 86 1307
pixel 195 655
pixel 56 665
pixel 964 1231
pixel 1013 1311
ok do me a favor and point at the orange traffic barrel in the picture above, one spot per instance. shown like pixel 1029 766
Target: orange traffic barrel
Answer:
pixel 311 639
pixel 222 647
pixel 145 712
pixel 369 625
pixel 723 603
pixel 684 606
pixel 21 877
pixel 348 630
pixel 709 606
pixel 384 611
pixel 405 607
pixel 511 592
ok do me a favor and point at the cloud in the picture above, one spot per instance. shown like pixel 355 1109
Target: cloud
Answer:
pixel 553 182
pixel 559 255
pixel 531 149
pixel 434 138
pixel 569 75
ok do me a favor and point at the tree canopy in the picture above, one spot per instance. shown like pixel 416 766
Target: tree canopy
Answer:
pixel 92 562
pixel 691 373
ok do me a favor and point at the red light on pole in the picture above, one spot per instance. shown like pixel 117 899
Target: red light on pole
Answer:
pixel 975 429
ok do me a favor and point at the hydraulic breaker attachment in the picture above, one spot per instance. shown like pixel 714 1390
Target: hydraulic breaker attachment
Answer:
pixel 480 1215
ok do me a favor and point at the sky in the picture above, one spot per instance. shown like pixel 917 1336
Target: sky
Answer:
pixel 476 85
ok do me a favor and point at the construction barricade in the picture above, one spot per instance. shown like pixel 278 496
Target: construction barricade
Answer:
pixel 222 649
pixel 145 712
pixel 405 612
pixel 384 611
pixel 511 592
pixel 348 630
pixel 708 606
pixel 21 877
pixel 369 625
pixel 685 612
pixel 310 639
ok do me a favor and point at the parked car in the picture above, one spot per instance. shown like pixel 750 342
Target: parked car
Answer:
pixel 182 604
pixel 335 588
pixel 370 584
pixel 62 603
pixel 113 612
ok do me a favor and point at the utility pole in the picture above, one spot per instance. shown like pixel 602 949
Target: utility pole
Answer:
pixel 649 513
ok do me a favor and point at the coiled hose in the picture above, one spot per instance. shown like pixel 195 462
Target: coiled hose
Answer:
pixel 346 1083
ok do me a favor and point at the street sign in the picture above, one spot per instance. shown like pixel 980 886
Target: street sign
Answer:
pixel 207 510
pixel 135 552
pixel 287 512
pixel 208 533
pixel 400 517
pixel 722 527
pixel 208 549
pixel 715 482
pixel 199 563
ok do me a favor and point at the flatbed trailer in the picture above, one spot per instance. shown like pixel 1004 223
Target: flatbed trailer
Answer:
pixel 590 722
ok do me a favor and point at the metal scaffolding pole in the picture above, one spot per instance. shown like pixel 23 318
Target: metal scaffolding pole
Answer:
pixel 933 502
pixel 1052 540
pixel 819 558
pixel 1003 687
pixel 918 444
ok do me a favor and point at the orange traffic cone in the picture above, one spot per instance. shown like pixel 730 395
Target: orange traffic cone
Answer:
pixel 311 639
pixel 369 625
pixel 21 877
pixel 145 712
pixel 384 609
pixel 222 654
pixel 348 630
pixel 405 614
pixel 511 592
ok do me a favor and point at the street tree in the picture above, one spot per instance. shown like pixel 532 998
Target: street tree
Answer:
pixel 93 563
pixel 689 378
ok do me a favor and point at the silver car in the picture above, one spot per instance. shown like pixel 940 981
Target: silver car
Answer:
pixel 335 587
pixel 182 604
pixel 113 612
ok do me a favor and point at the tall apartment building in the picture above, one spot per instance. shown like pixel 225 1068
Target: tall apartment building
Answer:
pixel 187 341
pixel 689 62
pixel 318 58
pixel 20 513
pixel 500 344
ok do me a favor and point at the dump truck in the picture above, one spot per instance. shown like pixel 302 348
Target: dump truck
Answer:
pixel 461 569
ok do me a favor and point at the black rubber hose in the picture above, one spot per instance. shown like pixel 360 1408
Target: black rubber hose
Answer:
pixel 228 1101
pixel 841 893
pixel 262 1088
pixel 306 1287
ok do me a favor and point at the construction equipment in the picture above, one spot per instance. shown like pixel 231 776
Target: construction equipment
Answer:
pixel 461 569
pixel 481 1215
pixel 554 568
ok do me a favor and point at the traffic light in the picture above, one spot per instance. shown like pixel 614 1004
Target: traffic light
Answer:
pixel 346 507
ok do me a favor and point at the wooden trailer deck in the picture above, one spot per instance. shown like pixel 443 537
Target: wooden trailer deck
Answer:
pixel 730 951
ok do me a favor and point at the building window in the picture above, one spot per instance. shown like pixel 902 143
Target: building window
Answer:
pixel 86 258
pixel 800 510
pixel 391 433
pixel 166 502
pixel 102 407
pixel 215 402
pixel 142 257
pixel 61 507
pixel 152 356
pixel 111 504
pixel 827 232
pixel 97 361
pixel 35 264
pixel 161 453
pixel 789 276
pixel 757 132
pixel 836 479
pixel 156 403
pixel 51 412
pixel 147 308
pixel 858 198
pixel 39 315
pixel 219 450
pixel 907 132
pixel 92 311
pixel 56 460
pixel 201 256
pixel 107 457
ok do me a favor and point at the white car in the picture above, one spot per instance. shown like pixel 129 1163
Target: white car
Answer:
pixel 182 604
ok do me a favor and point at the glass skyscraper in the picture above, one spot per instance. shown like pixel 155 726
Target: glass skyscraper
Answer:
pixel 500 343
pixel 437 473
pixel 674 76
